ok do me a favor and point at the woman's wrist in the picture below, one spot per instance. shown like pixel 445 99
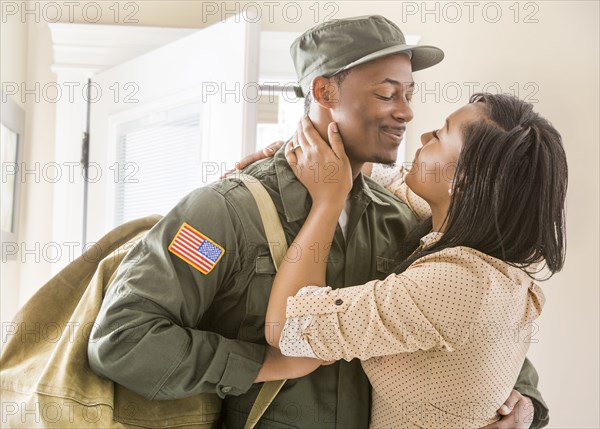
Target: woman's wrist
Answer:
pixel 333 206
pixel 326 214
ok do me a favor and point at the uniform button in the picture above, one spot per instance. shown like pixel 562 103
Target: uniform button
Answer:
pixel 338 302
pixel 226 389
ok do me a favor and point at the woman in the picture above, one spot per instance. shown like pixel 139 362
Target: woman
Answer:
pixel 443 338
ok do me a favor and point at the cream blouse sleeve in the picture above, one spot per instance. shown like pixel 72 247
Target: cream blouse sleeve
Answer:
pixel 402 313
pixel 417 204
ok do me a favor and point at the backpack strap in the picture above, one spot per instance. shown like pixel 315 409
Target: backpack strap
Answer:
pixel 278 248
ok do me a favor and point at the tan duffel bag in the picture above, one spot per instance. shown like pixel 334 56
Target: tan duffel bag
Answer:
pixel 45 377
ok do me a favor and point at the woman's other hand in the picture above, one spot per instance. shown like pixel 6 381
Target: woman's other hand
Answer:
pixel 516 412
pixel 256 156
pixel 324 170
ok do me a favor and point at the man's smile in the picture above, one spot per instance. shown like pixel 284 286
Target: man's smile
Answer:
pixel 395 133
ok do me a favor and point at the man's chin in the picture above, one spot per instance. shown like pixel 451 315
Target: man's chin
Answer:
pixel 389 159
pixel 383 157
pixel 390 164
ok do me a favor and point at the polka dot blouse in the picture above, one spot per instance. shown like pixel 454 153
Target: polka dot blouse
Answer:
pixel 442 343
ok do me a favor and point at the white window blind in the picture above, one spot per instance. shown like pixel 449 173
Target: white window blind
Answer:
pixel 157 161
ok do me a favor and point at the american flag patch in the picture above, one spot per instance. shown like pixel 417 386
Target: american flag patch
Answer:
pixel 196 249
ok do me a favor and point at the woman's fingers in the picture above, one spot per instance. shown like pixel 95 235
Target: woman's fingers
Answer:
pixel 267 152
pixel 295 142
pixel 311 135
pixel 272 148
pixel 310 132
pixel 336 140
pixel 510 403
pixel 227 173
pixel 301 137
pixel 290 155
pixel 290 145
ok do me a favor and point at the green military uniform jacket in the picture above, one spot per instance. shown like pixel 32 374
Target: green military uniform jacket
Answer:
pixel 167 330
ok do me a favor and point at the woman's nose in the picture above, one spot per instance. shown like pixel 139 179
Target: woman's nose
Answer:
pixel 425 137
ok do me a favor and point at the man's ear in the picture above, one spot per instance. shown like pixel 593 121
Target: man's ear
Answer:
pixel 325 92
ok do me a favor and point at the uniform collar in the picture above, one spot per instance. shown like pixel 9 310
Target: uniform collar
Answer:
pixel 295 197
pixel 431 238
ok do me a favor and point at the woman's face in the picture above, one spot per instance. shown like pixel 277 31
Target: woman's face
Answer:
pixel 435 162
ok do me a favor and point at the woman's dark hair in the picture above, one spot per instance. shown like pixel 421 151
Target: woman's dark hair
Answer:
pixel 508 198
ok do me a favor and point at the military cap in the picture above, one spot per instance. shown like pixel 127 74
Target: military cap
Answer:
pixel 340 44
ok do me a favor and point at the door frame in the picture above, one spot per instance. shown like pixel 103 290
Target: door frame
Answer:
pixel 81 51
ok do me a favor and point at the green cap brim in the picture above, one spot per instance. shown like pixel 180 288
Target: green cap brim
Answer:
pixel 422 57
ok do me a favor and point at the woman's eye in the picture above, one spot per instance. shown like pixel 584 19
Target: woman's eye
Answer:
pixel 383 97
pixel 435 134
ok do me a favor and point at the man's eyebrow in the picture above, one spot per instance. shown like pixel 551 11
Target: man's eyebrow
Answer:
pixel 409 85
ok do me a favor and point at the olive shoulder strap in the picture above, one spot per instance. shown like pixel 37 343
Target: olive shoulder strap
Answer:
pixel 278 248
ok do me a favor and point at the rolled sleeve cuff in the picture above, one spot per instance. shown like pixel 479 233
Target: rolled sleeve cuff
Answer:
pixel 311 306
pixel 240 373
pixel 294 340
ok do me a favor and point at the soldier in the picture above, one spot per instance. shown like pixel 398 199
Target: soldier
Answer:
pixel 192 321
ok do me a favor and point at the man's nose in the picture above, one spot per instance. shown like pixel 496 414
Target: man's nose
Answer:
pixel 402 111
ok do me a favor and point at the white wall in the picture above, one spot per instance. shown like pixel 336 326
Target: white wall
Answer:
pixel 13 68
pixel 29 41
pixel 558 54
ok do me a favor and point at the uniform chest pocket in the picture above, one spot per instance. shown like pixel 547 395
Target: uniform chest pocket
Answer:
pixel 386 265
pixel 260 286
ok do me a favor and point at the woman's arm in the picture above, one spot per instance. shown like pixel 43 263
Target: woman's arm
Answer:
pixel 304 264
pixel 279 367
pixel 306 260
pixel 401 314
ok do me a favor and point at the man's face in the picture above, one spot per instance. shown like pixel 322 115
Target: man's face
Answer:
pixel 372 108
